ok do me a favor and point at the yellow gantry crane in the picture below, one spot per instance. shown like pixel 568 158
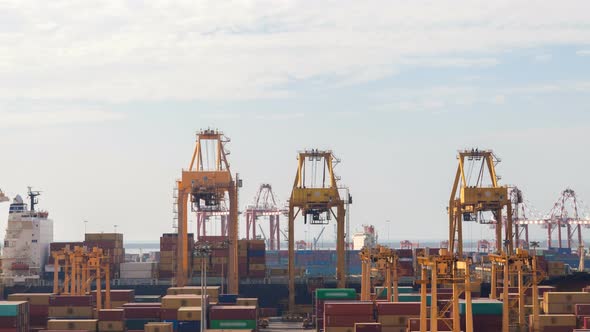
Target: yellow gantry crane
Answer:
pixel 315 194
pixel 445 269
pixel 386 260
pixel 81 268
pixel 518 270
pixel 469 198
pixel 209 183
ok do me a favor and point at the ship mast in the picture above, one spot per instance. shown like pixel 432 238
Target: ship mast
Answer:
pixel 33 198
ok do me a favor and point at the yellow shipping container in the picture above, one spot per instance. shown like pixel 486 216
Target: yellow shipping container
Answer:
pixel 32 298
pixel 257 267
pixel 89 325
pixel 71 312
pixel 247 301
pixel 158 327
pixel 566 297
pixel 395 320
pixel 558 308
pixel 183 300
pixel 189 314
pixel 106 326
pixel 556 320
pixel 212 291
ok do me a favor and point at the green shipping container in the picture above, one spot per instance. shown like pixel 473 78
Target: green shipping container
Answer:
pixel 382 291
pixel 482 307
pixel 335 294
pixel 413 298
pixel 9 309
pixel 233 324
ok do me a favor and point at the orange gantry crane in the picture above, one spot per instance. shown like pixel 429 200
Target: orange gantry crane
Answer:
pixel 81 268
pixel 385 261
pixel 209 184
pixel 315 195
pixel 471 196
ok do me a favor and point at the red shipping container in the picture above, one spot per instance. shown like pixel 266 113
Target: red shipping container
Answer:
pixel 367 327
pixel 111 315
pixel 268 312
pixel 398 308
pixel 587 322
pixel 142 305
pixel 117 295
pixel 169 314
pixel 71 300
pixel 414 325
pixel 582 310
pixel 9 321
pixel 232 312
pixel 348 308
pixel 141 312
pixel 346 321
pixel 38 310
pixel 38 320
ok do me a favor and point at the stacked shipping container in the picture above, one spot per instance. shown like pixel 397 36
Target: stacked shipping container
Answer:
pixel 111 244
pixel 14 316
pixel 38 307
pixel 168 246
pixel 71 307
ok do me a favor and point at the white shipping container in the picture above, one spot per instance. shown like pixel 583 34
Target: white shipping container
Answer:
pixel 150 266
pixel 137 274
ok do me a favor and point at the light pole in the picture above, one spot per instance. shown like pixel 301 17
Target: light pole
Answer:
pixel 85 224
pixel 115 229
pixel 388 223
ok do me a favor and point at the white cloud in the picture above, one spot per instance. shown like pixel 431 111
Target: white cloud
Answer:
pixel 19 119
pixel 127 50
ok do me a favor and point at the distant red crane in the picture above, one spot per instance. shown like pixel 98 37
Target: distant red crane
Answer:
pixel 405 244
pixel 566 213
pixel 265 205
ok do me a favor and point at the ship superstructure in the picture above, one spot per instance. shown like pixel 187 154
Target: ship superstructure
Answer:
pixel 26 243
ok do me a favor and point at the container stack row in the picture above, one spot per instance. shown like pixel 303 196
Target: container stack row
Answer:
pixel 14 316
pixel 112 245
pixel 168 253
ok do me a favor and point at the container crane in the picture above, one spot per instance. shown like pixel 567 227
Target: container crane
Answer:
pixel 386 261
pixel 523 267
pixel 315 195
pixel 566 213
pixel 445 268
pixel 471 198
pixel 265 205
pixel 209 184
pixel 81 267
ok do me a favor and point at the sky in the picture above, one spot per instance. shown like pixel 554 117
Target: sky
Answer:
pixel 100 102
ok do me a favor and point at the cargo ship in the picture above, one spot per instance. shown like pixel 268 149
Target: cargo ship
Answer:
pixel 29 233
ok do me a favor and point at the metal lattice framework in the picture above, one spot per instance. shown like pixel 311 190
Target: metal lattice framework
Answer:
pixel 265 205
pixel 568 213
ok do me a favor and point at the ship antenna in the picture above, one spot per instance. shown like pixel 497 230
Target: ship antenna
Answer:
pixel 33 197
